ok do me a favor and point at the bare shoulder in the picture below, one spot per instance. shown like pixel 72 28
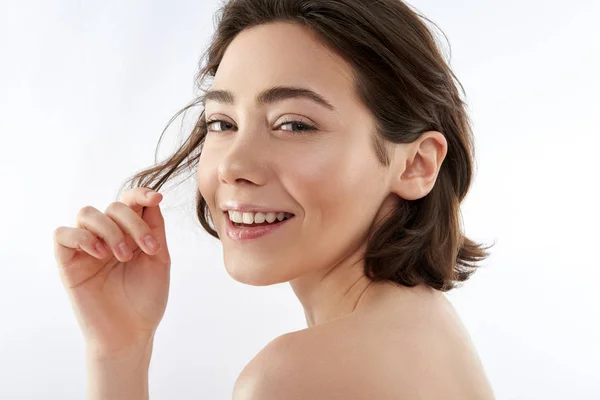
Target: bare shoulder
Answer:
pixel 400 351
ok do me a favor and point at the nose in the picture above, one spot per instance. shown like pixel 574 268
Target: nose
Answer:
pixel 245 160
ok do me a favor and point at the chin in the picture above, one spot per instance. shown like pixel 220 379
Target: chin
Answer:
pixel 254 274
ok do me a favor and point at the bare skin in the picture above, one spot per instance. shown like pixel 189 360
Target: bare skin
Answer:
pixel 118 298
pixel 332 182
pixel 363 340
pixel 401 343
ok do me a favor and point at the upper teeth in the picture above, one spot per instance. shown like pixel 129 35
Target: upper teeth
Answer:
pixel 258 217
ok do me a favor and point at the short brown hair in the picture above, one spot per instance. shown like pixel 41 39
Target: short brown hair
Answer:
pixel 400 75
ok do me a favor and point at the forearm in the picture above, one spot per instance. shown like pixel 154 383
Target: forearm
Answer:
pixel 124 378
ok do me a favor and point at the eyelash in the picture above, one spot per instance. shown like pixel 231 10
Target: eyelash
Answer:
pixel 309 128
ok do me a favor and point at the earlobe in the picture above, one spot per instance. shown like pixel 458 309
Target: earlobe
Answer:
pixel 419 163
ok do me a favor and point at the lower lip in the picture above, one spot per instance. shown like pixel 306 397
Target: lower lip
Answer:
pixel 242 234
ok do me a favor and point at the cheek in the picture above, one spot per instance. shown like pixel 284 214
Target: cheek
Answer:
pixel 339 192
pixel 312 177
pixel 329 181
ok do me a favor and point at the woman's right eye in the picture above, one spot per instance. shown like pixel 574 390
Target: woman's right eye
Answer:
pixel 216 122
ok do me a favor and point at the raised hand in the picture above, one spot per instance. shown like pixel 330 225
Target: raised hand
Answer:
pixel 119 293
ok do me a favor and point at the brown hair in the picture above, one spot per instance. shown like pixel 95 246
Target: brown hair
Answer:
pixel 403 79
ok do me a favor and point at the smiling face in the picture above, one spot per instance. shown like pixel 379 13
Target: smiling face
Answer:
pixel 329 178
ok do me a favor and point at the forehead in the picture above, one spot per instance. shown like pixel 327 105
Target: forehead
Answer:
pixel 282 54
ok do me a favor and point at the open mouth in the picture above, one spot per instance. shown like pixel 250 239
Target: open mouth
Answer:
pixel 275 220
pixel 254 225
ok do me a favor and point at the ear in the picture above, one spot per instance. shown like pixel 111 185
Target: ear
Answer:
pixel 418 165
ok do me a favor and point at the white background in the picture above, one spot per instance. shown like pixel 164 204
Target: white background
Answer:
pixel 87 87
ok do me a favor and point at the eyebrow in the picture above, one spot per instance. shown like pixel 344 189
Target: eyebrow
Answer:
pixel 269 96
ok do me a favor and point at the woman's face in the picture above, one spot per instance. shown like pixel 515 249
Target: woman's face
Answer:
pixel 329 178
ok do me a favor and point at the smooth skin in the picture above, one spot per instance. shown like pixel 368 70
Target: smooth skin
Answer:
pixel 403 344
pixel 364 340
pixel 118 298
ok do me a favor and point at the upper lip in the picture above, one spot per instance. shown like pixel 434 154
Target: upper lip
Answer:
pixel 246 207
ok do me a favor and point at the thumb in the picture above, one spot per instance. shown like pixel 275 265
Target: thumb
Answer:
pixel 155 220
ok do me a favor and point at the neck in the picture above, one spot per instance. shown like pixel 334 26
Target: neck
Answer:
pixel 333 293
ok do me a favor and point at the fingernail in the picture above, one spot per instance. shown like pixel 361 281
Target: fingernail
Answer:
pixel 100 248
pixel 124 249
pixel 151 242
pixel 149 194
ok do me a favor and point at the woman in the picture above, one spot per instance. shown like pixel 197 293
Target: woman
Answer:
pixel 333 152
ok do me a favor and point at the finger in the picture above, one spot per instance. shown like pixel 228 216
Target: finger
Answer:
pixel 68 240
pixel 151 214
pixel 133 224
pixel 156 222
pixel 105 228
pixel 140 197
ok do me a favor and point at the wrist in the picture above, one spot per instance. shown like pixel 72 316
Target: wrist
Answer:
pixel 140 349
pixel 118 376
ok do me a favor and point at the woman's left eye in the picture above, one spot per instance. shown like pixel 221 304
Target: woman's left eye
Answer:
pixel 303 126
